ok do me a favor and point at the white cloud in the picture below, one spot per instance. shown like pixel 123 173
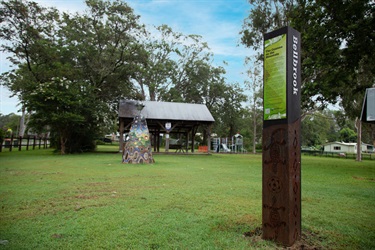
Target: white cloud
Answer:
pixel 218 22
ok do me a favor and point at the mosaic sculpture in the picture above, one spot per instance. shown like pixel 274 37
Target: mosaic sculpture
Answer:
pixel 137 149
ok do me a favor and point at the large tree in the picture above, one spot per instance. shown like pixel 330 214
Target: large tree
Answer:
pixel 254 84
pixel 337 46
pixel 319 128
pixel 154 76
pixel 70 70
pixel 228 110
pixel 104 44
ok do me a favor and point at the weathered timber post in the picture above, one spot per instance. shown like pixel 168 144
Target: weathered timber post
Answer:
pixel 20 143
pixel 358 125
pixel 11 143
pixel 121 138
pixel 34 142
pixel 28 141
pixel 281 160
pixel 167 142
pixel 168 128
pixel 208 131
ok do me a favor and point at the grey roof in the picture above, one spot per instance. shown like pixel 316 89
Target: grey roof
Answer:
pixel 166 111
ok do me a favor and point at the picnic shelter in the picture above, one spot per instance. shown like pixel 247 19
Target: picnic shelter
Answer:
pixel 167 118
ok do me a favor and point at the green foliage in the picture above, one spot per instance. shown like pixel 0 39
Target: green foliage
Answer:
pixel 154 75
pixel 228 111
pixel 319 128
pixel 337 50
pixel 337 46
pixel 10 121
pixel 72 69
pixel 254 84
pixel 348 135
pixel 264 16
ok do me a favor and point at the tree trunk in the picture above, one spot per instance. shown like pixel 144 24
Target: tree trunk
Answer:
pixel 62 145
pixel 254 130
pixel 22 123
pixel 359 139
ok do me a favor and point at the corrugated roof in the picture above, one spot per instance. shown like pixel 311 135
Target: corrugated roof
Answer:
pixel 345 143
pixel 166 111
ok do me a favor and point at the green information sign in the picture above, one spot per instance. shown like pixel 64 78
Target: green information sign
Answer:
pixel 275 102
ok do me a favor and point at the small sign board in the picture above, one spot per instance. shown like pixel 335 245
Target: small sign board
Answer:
pixel 368 108
pixel 168 126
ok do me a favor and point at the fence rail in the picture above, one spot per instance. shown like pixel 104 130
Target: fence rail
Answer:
pixel 365 156
pixel 28 142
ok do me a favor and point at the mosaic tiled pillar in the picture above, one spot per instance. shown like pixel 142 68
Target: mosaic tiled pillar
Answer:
pixel 137 149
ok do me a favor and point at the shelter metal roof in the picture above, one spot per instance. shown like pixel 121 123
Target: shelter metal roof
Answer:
pixel 183 116
pixel 345 143
pixel 166 111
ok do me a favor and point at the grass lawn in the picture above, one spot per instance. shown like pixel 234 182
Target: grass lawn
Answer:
pixel 93 201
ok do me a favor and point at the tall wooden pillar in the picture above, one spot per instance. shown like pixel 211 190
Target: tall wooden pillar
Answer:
pixel 281 173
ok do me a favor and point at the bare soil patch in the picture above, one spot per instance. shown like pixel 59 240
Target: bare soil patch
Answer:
pixel 308 240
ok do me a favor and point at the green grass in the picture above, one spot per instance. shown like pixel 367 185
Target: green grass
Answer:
pixel 93 201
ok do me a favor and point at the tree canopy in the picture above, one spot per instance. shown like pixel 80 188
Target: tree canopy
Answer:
pixel 337 46
pixel 71 69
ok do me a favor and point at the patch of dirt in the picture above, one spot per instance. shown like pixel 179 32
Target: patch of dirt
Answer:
pixel 86 197
pixel 308 240
pixel 364 178
pixel 94 184
pixel 56 236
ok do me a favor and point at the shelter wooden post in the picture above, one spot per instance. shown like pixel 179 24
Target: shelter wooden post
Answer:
pixel 208 138
pixel 121 139
pixel 192 140
pixel 281 157
pixel 156 141
pixel 167 142
pixel 358 125
pixel 158 147
pixel 187 141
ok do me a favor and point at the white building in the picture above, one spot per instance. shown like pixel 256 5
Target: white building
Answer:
pixel 344 147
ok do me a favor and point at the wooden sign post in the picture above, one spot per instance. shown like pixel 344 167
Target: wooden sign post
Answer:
pixel 281 161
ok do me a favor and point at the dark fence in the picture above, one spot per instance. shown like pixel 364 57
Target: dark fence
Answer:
pixel 26 143
pixel 365 156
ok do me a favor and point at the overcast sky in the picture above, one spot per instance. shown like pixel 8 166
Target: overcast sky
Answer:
pixel 217 21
